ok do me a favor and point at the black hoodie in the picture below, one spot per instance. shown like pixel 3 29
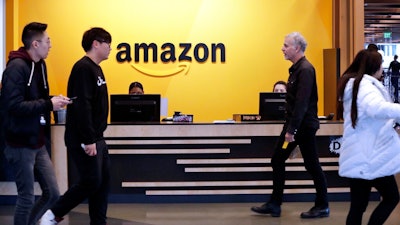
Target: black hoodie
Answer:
pixel 24 101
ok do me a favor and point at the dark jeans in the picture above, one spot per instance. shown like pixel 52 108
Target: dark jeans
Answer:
pixel 306 140
pixel 359 193
pixel 93 184
pixel 27 165
pixel 395 83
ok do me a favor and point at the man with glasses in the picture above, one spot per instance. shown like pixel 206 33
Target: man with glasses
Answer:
pixel 25 107
pixel 84 127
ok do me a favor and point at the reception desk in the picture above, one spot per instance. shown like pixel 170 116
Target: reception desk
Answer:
pixel 202 162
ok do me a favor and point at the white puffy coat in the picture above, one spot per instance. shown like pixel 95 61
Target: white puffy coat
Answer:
pixel 372 148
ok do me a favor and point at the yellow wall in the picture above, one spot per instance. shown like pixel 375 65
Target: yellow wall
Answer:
pixel 251 30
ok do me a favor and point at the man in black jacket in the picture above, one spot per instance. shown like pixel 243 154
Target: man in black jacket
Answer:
pixel 394 69
pixel 25 106
pixel 299 129
pixel 86 122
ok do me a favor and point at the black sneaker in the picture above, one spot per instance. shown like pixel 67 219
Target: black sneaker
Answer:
pixel 268 208
pixel 315 212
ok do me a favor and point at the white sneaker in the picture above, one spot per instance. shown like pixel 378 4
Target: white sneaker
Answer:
pixel 48 218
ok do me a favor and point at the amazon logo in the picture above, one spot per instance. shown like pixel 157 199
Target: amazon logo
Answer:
pixel 168 53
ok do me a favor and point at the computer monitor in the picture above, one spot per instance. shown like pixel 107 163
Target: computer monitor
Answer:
pixel 272 106
pixel 135 108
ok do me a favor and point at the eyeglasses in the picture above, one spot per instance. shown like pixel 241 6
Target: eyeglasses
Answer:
pixel 48 41
pixel 103 41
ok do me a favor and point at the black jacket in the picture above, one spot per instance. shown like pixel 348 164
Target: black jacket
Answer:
pixel 25 102
pixel 302 97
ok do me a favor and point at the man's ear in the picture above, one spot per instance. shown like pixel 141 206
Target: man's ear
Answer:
pixel 35 44
pixel 297 48
pixel 96 43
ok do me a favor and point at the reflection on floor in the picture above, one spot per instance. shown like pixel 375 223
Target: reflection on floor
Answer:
pixel 206 214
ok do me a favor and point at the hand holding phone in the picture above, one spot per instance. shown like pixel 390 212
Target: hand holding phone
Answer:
pixel 72 98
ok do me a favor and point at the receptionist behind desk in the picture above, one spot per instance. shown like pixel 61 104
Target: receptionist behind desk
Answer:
pixel 136 88
pixel 279 87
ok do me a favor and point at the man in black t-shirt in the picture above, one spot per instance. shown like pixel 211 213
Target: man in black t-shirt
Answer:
pixel 394 68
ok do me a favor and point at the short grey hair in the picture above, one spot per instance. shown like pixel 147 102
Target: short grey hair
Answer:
pixel 299 40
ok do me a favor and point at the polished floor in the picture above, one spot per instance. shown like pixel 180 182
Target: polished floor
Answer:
pixel 206 214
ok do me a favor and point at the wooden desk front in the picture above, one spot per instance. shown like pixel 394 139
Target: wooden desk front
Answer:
pixel 198 162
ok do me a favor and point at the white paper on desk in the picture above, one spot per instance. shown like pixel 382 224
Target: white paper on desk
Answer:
pixel 223 121
pixel 164 107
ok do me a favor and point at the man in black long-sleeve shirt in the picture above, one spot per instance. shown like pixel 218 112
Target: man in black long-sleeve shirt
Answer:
pixel 394 68
pixel 299 129
pixel 86 122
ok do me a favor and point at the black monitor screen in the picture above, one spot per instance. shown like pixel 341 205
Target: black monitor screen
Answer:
pixel 272 106
pixel 135 108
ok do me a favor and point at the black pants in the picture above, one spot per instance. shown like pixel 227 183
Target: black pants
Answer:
pixel 93 184
pixel 359 193
pixel 306 140
pixel 395 83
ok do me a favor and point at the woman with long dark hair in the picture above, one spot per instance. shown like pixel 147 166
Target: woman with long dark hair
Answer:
pixel 370 152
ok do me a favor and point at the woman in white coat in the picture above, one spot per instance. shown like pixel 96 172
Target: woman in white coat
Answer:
pixel 370 152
